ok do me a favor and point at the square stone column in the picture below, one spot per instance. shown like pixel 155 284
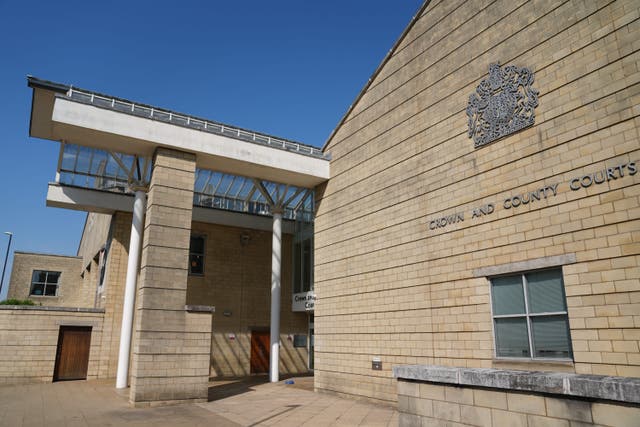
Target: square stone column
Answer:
pixel 171 347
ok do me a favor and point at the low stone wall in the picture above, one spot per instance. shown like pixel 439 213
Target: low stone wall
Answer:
pixel 29 339
pixel 434 396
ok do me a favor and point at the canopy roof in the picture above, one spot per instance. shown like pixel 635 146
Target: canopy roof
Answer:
pixel 86 118
pixel 96 169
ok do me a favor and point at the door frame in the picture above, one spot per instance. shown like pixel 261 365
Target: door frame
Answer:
pixel 259 331
pixel 56 366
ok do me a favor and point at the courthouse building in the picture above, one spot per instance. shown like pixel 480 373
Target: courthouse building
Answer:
pixel 466 245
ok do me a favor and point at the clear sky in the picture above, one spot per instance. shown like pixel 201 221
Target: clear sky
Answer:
pixel 289 68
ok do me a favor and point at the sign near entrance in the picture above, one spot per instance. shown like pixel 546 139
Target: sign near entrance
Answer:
pixel 303 301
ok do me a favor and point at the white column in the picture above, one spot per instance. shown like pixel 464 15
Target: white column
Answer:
pixel 276 245
pixel 130 289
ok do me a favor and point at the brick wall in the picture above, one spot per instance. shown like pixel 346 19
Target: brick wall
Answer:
pixel 389 286
pixel 29 337
pixel 72 290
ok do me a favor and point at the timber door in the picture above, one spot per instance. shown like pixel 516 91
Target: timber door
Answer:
pixel 259 352
pixel 72 356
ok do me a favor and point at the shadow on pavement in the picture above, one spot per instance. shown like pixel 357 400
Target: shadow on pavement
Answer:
pixel 227 387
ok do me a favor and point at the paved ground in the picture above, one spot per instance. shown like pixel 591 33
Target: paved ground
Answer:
pixel 232 403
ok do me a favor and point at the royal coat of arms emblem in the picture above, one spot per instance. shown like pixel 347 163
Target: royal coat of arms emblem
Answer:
pixel 503 104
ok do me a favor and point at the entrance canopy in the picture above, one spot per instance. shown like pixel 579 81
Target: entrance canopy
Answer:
pixel 62 113
pixel 84 168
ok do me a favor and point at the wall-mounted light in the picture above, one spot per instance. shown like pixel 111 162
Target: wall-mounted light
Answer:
pixel 376 364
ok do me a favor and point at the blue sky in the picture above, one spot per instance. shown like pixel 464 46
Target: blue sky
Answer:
pixel 290 68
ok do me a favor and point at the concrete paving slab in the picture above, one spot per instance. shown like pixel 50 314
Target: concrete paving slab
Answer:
pixel 247 402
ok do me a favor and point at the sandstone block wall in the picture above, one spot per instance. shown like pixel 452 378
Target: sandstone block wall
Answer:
pixel 29 339
pixel 388 286
pixel 94 235
pixel 72 290
pixel 237 280
pixel 435 404
pixel 171 347
pixel 111 296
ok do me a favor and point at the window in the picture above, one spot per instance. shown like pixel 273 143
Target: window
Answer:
pixel 299 341
pixel 102 264
pixel 530 316
pixel 196 255
pixel 302 266
pixel 44 283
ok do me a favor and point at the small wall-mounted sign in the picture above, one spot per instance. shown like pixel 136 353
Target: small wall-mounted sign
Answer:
pixel 226 313
pixel 376 364
pixel 303 301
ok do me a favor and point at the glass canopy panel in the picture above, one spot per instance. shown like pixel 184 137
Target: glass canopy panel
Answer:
pixel 101 170
pixel 108 171
pixel 242 194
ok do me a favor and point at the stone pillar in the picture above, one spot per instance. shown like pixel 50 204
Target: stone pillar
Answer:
pixel 171 348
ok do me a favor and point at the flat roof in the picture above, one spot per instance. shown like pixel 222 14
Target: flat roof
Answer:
pixel 87 118
pixel 157 113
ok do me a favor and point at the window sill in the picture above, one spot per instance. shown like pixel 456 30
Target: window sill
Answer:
pixel 44 296
pixel 534 364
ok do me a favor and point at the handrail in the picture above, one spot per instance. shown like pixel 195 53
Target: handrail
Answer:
pixel 191 122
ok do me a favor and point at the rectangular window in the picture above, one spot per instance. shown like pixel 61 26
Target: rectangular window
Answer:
pixel 530 316
pixel 299 341
pixel 196 255
pixel 45 283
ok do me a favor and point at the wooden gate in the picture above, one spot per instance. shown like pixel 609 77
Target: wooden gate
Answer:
pixel 259 352
pixel 72 356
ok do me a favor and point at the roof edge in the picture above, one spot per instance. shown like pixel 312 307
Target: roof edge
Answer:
pixel 415 18
pixel 37 83
pixel 47 254
pixel 34 82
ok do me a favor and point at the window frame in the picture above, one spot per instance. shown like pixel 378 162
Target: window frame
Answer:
pixel 203 254
pixel 527 316
pixel 45 283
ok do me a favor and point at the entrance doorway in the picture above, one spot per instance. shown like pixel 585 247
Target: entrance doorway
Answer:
pixel 72 354
pixel 259 352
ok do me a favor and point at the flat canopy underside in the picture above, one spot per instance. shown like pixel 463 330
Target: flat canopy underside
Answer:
pixel 84 199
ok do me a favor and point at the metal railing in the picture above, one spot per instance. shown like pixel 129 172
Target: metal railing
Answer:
pixel 191 122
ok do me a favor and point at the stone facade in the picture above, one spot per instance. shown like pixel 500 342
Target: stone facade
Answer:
pixel 236 281
pixel 170 346
pixel 392 283
pixel 488 397
pixel 94 235
pixel 72 291
pixel 111 296
pixel 29 337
